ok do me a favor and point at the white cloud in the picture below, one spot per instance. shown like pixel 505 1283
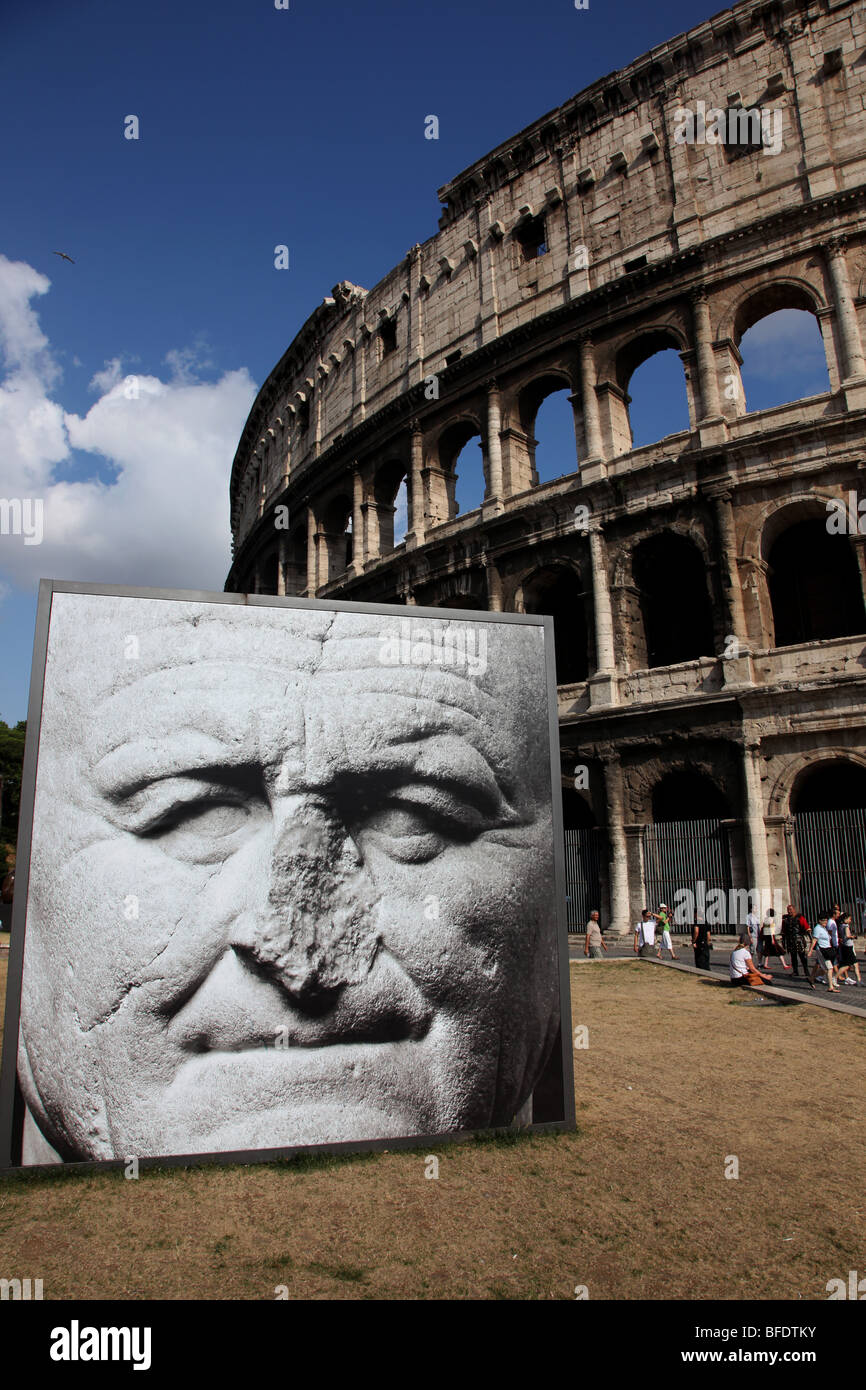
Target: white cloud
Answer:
pixel 163 521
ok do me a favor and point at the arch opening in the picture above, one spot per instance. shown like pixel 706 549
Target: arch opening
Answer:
pixel 670 575
pixel 784 358
pixel 658 402
pixel 559 592
pixel 814 585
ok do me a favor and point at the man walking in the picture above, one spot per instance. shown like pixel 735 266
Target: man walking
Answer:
pixel 594 944
pixel 645 934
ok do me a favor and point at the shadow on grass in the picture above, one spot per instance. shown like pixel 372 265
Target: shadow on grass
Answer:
pixel 28 1178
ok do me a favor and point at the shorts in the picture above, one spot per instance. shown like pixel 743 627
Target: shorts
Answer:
pixel 827 955
pixel 847 955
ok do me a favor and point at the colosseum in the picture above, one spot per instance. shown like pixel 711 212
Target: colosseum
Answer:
pixel 707 589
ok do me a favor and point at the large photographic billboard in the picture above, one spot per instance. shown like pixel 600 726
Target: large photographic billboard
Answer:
pixel 288 877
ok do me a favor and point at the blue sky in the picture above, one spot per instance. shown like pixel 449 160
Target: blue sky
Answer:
pixel 258 127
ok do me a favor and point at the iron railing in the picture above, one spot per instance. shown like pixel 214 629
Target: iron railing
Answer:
pixel 830 858
pixel 582 875
pixel 687 854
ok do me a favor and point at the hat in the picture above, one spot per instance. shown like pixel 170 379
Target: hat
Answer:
pixel 664 905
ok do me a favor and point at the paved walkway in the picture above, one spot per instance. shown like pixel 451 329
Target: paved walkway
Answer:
pixel 622 948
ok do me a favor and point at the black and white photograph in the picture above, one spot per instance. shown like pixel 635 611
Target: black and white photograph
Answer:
pixel 291 880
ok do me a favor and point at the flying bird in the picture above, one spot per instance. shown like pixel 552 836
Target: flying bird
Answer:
pixel 64 257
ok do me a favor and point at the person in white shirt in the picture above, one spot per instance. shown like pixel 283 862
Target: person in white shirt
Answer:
pixel 743 970
pixel 645 934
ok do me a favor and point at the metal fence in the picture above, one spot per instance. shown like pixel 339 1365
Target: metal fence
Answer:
pixel 684 854
pixel 582 875
pixel 830 858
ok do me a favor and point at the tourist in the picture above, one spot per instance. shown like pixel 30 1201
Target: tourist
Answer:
pixel 753 927
pixel 702 943
pixel 645 934
pixel 743 970
pixel 594 944
pixel 833 928
pixel 664 926
pixel 847 955
pixel 823 952
pixel 794 928
pixel 771 940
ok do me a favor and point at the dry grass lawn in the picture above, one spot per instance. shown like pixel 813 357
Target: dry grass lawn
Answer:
pixel 634 1205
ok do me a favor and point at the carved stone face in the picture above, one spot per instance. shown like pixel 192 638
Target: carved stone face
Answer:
pixel 283 890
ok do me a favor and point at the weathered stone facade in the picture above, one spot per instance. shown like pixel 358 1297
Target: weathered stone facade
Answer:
pixel 645 243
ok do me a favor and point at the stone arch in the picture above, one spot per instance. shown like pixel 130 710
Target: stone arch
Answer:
pixel 558 590
pixel 631 356
pixel 387 482
pixel 643 344
pixel 295 577
pixel 452 440
pixel 782 292
pixel 797 769
pixel 522 443
pixel 668 570
pixel 813 583
pixel 337 540
pixel 688 793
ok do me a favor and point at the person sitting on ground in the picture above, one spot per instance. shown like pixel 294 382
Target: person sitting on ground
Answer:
pixel 594 943
pixel 847 956
pixel 743 970
pixel 824 954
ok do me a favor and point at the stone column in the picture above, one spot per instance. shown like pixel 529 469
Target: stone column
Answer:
pixel 709 384
pixel 852 365
pixel 730 567
pixel 494 586
pixel 602 684
pixel 494 503
pixel 756 832
pixel 282 560
pixel 312 555
pixel 620 907
pixel 591 418
pixel 359 555
pixel 415 487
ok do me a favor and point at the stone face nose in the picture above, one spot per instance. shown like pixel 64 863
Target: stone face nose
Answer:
pixel 317 931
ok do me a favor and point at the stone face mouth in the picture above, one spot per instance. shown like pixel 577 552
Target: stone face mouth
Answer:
pixel 239 1007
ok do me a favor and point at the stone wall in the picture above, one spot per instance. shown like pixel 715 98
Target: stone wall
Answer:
pixel 648 243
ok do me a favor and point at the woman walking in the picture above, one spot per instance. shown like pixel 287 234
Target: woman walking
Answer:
pixel 702 944
pixel 771 940
pixel 847 952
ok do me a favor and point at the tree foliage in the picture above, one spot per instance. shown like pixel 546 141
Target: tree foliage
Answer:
pixel 11 763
